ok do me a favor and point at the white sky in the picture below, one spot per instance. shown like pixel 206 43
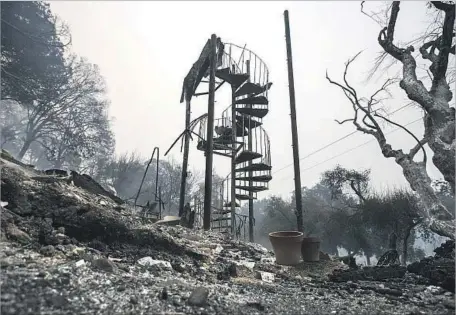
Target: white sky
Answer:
pixel 145 49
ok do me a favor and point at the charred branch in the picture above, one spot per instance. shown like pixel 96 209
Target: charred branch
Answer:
pixel 437 217
pixel 419 145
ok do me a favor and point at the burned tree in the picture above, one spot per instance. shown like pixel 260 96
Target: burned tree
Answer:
pixel 439 117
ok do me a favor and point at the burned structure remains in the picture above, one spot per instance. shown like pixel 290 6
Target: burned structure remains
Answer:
pixel 236 134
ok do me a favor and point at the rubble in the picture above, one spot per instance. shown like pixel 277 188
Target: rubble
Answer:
pixel 82 257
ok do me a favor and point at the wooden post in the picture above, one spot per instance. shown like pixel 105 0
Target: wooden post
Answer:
pixel 210 136
pixel 185 159
pixel 159 203
pixel 250 148
pixel 294 127
pixel 233 163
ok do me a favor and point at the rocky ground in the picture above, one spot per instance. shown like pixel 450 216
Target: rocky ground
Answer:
pixel 67 251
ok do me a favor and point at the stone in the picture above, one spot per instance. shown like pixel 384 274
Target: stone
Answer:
pixel 267 260
pixel 324 256
pixel 149 262
pixel 198 297
pixel 47 250
pixel 245 263
pixel 80 263
pixel 104 264
pixel 265 276
pixel 60 248
pixel 16 234
pixel 61 230
pixel 164 294
pixel 218 249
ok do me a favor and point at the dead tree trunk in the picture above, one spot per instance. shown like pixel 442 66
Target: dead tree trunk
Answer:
pixel 440 118
pixel 434 213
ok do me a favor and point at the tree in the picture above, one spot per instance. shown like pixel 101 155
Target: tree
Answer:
pixel 12 122
pixel 79 85
pixel 439 121
pixel 32 50
pixel 394 212
pixel 78 134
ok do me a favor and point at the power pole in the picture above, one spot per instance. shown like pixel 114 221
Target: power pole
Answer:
pixel 294 127
pixel 210 136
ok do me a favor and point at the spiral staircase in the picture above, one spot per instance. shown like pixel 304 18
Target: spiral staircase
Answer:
pixel 248 75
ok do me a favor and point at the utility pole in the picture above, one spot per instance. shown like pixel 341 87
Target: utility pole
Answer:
pixel 210 136
pixel 185 159
pixel 294 127
pixel 250 148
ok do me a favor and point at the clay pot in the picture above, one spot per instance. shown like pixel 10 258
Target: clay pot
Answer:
pixel 286 246
pixel 310 249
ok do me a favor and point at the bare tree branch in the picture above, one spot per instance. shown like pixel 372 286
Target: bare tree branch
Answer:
pixel 420 144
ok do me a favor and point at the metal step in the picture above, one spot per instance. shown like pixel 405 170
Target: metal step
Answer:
pixel 221 219
pixel 255 112
pixel 227 231
pixel 259 178
pixel 245 156
pixel 228 204
pixel 216 146
pixel 250 88
pixel 254 100
pixel 235 80
pixel 255 167
pixel 244 197
pixel 226 132
pixel 252 188
pixel 247 121
pixel 222 212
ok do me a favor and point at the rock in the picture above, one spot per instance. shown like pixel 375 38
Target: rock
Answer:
pixel 324 256
pixel 267 260
pixel 245 263
pixel 446 250
pixel 58 301
pixel 60 248
pixel 164 294
pixel 439 271
pixel 149 262
pixel 265 276
pixel 47 250
pixel 178 267
pixel 133 300
pixel 104 264
pixel 256 305
pixel 80 263
pixel 218 249
pixel 61 230
pixel 377 273
pixel 198 297
pixel 14 233
pixel 228 272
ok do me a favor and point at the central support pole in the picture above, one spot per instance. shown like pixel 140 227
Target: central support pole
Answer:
pixel 233 160
pixel 294 127
pixel 210 136
pixel 185 159
pixel 250 148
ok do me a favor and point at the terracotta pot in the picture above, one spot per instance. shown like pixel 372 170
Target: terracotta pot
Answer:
pixel 310 249
pixel 286 246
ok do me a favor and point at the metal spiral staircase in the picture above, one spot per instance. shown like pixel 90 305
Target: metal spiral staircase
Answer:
pixel 248 76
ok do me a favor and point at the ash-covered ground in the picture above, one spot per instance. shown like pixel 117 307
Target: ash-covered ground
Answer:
pixel 66 250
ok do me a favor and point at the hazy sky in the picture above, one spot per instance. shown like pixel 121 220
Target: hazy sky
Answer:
pixel 145 49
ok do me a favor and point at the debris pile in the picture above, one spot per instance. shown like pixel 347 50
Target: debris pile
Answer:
pixel 66 250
